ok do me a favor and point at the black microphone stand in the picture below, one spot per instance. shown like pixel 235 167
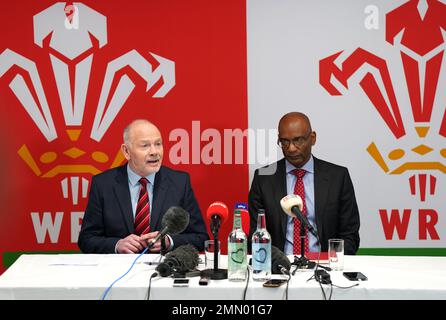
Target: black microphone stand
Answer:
pixel 216 273
pixel 302 262
pixel 163 252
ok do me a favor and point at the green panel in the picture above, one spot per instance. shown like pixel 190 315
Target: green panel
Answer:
pixel 402 251
pixel 10 257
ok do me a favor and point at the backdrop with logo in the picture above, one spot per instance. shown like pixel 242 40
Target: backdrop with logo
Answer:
pixel 371 76
pixel 216 76
pixel 73 75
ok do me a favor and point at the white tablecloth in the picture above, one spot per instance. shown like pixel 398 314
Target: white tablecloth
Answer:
pixel 77 276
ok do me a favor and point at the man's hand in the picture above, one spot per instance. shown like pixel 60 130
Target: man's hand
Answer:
pixel 131 244
pixel 150 236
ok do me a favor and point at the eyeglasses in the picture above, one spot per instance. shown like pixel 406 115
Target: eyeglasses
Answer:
pixel 298 141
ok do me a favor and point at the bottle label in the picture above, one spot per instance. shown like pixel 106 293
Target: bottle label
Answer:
pixel 261 256
pixel 237 253
pixel 237 222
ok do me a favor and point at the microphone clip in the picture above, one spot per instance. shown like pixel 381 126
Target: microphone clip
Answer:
pixel 284 270
pixel 322 276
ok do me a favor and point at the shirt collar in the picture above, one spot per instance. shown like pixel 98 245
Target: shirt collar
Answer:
pixel 309 166
pixel 134 178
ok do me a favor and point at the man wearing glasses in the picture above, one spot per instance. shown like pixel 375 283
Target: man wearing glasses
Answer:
pixel 325 188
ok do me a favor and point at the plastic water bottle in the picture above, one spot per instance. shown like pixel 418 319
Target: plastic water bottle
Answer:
pixel 261 250
pixel 237 250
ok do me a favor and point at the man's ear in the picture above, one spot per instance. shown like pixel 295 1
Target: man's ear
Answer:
pixel 125 151
pixel 313 138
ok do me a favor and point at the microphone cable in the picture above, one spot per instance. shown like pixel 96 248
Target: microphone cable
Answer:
pixel 284 271
pixel 287 285
pixel 318 278
pixel 113 283
pixel 155 274
pixel 353 285
pixel 321 277
pixel 247 281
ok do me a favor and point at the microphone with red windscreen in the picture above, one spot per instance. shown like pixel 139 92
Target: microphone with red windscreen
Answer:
pixel 217 213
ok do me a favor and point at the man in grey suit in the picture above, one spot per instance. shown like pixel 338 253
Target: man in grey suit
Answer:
pixel 142 187
pixel 330 202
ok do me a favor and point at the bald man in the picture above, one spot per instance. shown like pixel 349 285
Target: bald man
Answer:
pixel 126 204
pixel 326 188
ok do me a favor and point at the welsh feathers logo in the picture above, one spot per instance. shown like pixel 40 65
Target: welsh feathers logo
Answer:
pixel 71 35
pixel 74 89
pixel 416 30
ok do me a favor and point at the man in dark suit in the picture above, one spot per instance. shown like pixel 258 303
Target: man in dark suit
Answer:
pixel 329 197
pixel 126 204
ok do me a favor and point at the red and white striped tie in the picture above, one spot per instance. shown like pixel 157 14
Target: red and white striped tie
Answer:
pixel 299 189
pixel 142 216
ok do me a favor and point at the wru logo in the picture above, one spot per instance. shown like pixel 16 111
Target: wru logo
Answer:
pixel 415 29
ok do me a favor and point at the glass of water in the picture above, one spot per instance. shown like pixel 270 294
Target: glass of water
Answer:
pixel 336 254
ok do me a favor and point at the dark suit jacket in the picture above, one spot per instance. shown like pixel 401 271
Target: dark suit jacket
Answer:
pixel 336 210
pixel 109 217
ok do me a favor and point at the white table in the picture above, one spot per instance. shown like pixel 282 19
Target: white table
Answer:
pixel 77 276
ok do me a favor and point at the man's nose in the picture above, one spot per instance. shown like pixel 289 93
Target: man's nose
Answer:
pixel 292 148
pixel 153 150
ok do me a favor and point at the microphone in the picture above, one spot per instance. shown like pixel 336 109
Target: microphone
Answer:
pixel 217 213
pixel 292 205
pixel 182 259
pixel 280 264
pixel 174 221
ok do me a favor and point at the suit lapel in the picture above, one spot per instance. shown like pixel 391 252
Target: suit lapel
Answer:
pixel 159 193
pixel 280 192
pixel 321 188
pixel 122 192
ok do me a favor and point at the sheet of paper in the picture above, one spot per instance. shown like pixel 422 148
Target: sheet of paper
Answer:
pixel 75 260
